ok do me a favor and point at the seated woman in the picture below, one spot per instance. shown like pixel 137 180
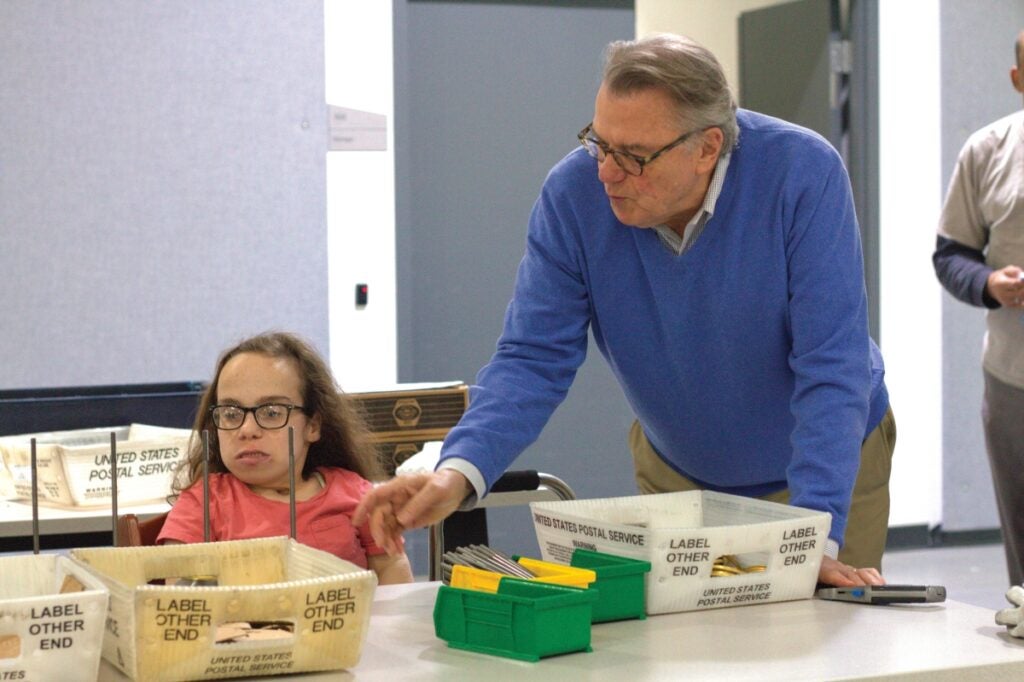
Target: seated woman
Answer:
pixel 261 386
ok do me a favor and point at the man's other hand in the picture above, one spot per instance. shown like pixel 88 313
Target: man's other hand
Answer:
pixel 838 574
pixel 1007 286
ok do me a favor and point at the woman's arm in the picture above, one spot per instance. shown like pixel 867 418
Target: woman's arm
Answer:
pixel 391 570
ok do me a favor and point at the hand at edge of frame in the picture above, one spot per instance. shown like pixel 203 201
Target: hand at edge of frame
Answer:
pixel 410 501
pixel 834 572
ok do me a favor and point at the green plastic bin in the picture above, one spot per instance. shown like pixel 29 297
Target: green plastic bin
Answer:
pixel 523 620
pixel 619 584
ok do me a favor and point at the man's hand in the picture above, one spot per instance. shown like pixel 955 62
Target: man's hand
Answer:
pixel 838 574
pixel 1007 287
pixel 412 501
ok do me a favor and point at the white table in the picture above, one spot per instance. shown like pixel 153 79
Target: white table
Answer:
pixel 799 640
pixel 16 518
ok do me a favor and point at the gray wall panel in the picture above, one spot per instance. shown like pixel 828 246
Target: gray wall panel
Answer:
pixel 162 184
pixel 488 97
pixel 977 53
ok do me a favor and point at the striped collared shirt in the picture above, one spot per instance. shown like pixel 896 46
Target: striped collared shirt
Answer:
pixel 680 245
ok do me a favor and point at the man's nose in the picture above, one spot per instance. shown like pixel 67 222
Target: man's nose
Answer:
pixel 609 170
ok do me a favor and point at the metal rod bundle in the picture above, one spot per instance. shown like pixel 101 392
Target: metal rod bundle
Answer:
pixel 483 557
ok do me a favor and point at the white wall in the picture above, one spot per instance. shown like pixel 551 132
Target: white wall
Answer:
pixel 911 187
pixel 710 22
pixel 361 197
pixel 161 171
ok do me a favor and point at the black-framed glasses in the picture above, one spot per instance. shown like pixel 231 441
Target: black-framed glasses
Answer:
pixel 630 163
pixel 267 415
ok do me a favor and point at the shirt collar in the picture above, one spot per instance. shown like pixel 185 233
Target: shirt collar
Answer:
pixel 679 244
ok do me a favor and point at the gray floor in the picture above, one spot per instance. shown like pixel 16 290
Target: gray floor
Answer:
pixel 973 574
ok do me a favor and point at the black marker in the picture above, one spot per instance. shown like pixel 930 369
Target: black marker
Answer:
pixel 885 594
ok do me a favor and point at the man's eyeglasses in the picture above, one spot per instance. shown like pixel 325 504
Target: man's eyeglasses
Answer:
pixel 630 163
pixel 268 415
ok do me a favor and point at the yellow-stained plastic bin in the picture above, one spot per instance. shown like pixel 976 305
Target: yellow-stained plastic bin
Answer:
pixel 73 468
pixel 524 619
pixel 170 633
pixel 52 614
pixel 683 534
pixel 619 584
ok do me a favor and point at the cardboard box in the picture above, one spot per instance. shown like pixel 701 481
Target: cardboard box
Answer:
pixel 313 607
pixel 683 534
pixel 74 468
pixel 51 619
pixel 393 453
pixel 404 417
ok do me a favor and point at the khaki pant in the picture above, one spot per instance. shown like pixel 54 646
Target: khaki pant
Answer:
pixel 1004 440
pixel 868 522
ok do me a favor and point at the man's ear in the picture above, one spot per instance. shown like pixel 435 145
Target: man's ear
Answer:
pixel 710 149
pixel 1015 78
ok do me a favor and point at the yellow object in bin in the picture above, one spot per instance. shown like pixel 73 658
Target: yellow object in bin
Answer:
pixel 471 578
pixel 558 574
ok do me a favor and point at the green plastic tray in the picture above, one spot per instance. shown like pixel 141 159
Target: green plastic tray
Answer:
pixel 523 620
pixel 619 584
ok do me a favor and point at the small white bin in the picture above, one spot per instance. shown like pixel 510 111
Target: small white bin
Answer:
pixel 683 534
pixel 47 634
pixel 318 605
pixel 74 466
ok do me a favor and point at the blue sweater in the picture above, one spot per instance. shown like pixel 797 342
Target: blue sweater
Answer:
pixel 747 359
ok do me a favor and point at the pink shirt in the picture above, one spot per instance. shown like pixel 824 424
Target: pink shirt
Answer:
pixel 237 513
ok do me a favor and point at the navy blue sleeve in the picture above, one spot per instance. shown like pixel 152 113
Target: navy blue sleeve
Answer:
pixel 963 272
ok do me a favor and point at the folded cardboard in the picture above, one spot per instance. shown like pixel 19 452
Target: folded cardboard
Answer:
pixel 52 614
pixel 683 534
pixel 74 467
pixel 230 609
pixel 404 417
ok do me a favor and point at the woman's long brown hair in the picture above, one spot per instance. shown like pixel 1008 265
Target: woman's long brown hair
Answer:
pixel 344 439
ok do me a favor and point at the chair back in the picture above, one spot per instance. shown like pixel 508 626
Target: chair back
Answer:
pixel 131 532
